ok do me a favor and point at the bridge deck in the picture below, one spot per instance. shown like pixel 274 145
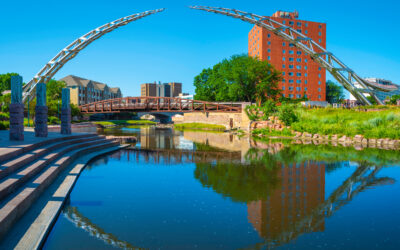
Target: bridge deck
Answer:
pixel 157 104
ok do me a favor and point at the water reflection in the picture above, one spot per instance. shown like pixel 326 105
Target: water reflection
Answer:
pixel 281 185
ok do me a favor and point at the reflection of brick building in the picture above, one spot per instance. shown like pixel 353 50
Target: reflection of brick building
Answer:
pixel 302 190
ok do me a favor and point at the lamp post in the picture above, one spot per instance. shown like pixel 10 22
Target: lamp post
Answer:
pixel 58 109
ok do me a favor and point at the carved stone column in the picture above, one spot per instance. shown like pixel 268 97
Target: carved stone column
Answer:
pixel 65 112
pixel 41 111
pixel 16 110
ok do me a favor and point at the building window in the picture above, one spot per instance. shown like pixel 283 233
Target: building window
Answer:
pixel 283 58
pixel 283 44
pixel 305 60
pixel 319 96
pixel 283 88
pixel 319 68
pixel 319 40
pixel 269 58
pixel 298 81
pixel 284 22
pixel 269 35
pixel 298 89
pixel 290 66
pixel 298 23
pixel 299 31
pixel 269 50
pixel 298 96
pixel 290 23
pixel 269 43
pixel 298 74
pixel 305 74
pixel 305 89
pixel 306 32
pixel 298 59
pixel 290 88
pixel 291 59
pixel 291 81
pixel 283 73
pixel 291 52
pixel 283 51
pixel 291 45
pixel 305 81
pixel 298 67
pixel 298 52
pixel 283 66
pixel 320 26
pixel 319 82
pixel 283 95
pixel 305 67
pixel 283 80
pixel 291 95
pixel 319 75
pixel 290 73
pixel 319 89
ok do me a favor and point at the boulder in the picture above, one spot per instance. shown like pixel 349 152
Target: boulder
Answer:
pixel 307 135
pixel 358 138
pixel 316 136
pixel 364 141
pixel 334 137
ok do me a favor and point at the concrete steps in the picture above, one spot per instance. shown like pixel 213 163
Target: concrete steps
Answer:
pixel 26 175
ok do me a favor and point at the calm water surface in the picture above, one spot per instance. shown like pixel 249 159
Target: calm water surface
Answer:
pixel 184 190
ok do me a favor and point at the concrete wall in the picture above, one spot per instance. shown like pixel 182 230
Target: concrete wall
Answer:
pixel 240 120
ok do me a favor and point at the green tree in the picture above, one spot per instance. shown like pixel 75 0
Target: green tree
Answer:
pixel 53 89
pixel 372 100
pixel 393 99
pixel 334 92
pixel 5 102
pixel 5 81
pixel 240 78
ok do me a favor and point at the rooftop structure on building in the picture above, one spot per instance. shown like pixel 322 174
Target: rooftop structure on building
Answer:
pixel 382 95
pixel 83 91
pixel 301 76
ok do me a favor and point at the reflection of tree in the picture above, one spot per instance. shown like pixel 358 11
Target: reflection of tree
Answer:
pixel 238 182
pixel 73 215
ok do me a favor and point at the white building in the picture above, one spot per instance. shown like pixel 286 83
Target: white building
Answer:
pixel 382 95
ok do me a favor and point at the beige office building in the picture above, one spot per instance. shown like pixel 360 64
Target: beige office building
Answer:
pixel 83 91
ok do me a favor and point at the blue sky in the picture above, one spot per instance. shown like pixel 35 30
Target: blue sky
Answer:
pixel 177 44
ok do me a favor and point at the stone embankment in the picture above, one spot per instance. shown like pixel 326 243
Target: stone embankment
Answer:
pixel 358 141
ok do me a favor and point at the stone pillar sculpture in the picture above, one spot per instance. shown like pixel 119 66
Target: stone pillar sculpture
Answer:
pixel 65 112
pixel 16 110
pixel 41 111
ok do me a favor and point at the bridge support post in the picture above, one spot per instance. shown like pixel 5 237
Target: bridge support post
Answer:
pixel 41 111
pixel 16 110
pixel 65 112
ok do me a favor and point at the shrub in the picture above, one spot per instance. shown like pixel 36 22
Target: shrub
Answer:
pixel 4 117
pixel 287 114
pixel 53 120
pixel 4 125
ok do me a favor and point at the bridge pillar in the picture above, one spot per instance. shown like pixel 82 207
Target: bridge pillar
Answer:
pixel 41 111
pixel 16 110
pixel 65 112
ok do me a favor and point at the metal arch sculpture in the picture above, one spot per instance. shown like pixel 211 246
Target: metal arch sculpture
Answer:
pixel 69 52
pixel 343 74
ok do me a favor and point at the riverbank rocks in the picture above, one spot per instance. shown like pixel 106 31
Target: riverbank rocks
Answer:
pixel 316 136
pixel 307 135
pixel 297 134
pixel 334 137
pixel 358 138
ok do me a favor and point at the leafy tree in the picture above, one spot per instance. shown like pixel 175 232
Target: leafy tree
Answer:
pixel 334 92
pixel 54 88
pixel 5 102
pixel 240 78
pixel 372 100
pixel 5 81
pixel 287 114
pixel 393 99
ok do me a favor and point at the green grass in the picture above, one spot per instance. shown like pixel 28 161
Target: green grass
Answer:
pixel 267 132
pixel 125 122
pixel 199 126
pixel 383 123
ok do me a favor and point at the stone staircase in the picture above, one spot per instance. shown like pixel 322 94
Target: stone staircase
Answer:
pixel 25 173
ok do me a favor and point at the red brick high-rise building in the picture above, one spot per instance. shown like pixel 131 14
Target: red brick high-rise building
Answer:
pixel 302 77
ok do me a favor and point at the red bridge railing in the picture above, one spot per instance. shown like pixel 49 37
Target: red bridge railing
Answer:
pixel 157 104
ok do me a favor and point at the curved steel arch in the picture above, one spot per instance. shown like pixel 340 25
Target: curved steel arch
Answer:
pixel 343 74
pixel 69 52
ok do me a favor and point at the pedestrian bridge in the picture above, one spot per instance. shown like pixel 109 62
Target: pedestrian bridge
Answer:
pixel 158 104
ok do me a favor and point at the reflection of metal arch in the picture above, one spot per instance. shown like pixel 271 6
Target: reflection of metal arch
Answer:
pixel 69 52
pixel 343 74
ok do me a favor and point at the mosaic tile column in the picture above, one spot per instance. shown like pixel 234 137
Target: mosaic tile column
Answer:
pixel 16 110
pixel 41 111
pixel 65 112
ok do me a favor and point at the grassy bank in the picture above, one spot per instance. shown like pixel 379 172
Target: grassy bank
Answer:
pixel 383 123
pixel 199 126
pixel 124 122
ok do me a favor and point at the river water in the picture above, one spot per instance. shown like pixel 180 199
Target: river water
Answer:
pixel 197 190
